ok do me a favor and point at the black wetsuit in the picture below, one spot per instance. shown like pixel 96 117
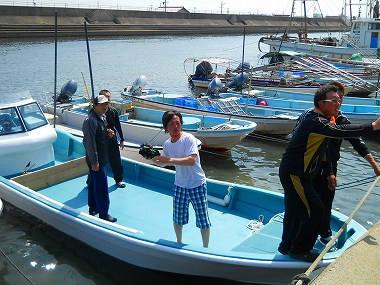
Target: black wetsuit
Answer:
pixel 328 168
pixel 300 164
pixel 113 123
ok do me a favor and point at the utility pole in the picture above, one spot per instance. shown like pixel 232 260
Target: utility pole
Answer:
pixel 164 3
pixel 221 7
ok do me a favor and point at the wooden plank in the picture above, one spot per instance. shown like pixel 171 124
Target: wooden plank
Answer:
pixel 53 175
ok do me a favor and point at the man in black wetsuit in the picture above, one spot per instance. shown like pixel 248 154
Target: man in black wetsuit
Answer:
pixel 300 164
pixel 326 180
pixel 114 146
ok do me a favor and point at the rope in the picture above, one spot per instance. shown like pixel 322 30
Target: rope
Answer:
pixel 256 225
pixel 14 265
pixel 274 139
pixel 335 238
pixel 356 182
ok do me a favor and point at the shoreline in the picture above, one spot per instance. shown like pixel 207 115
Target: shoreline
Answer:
pixel 26 22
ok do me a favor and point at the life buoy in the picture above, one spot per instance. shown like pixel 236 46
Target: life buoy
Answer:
pixel 263 103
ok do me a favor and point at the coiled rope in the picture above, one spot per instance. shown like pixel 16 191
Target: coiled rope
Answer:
pixel 304 277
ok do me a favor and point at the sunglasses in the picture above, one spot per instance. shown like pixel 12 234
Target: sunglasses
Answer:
pixel 335 101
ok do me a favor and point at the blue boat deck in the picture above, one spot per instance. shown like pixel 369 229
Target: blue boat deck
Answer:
pixel 139 207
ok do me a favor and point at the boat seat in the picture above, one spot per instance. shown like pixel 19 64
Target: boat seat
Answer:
pixel 265 240
pixel 53 175
pixel 80 106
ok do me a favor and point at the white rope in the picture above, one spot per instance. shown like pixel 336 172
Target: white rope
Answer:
pixel 256 225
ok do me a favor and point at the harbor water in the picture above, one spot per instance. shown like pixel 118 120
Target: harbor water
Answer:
pixel 33 252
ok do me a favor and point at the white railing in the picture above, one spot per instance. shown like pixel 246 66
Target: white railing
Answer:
pixel 104 5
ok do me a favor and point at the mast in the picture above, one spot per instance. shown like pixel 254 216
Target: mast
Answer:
pixel 305 18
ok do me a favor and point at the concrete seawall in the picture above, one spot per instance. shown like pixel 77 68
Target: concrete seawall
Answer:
pixel 21 22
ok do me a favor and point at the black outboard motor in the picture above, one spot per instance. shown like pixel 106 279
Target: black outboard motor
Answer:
pixel 67 91
pixel 246 67
pixel 204 69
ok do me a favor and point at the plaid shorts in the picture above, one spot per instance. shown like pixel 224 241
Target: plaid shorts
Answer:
pixel 198 198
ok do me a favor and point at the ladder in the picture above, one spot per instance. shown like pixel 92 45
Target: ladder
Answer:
pixel 223 105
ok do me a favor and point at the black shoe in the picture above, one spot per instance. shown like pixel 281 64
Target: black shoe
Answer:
pixel 307 256
pixel 283 251
pixel 325 240
pixel 93 212
pixel 108 218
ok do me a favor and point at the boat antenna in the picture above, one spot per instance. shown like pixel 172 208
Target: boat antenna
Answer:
pixel 55 66
pixel 242 63
pixel 89 60
pixel 85 86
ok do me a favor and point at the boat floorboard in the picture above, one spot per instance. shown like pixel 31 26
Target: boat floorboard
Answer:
pixel 150 211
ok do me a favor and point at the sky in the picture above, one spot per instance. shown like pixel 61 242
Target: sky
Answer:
pixel 269 7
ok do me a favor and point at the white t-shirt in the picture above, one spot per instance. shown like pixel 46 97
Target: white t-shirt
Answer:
pixel 187 176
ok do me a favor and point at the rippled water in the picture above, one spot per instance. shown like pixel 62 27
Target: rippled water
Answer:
pixel 47 256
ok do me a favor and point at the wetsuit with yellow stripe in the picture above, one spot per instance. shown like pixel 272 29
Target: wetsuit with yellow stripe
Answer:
pixel 299 166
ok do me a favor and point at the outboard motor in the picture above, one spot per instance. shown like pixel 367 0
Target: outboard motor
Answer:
pixel 138 85
pixel 203 69
pixel 239 81
pixel 214 87
pixel 67 91
pixel 246 67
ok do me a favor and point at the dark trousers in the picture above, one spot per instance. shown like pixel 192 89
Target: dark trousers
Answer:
pixel 304 211
pixel 98 198
pixel 327 196
pixel 115 159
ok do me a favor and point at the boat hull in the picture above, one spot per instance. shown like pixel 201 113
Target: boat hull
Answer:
pixel 58 196
pixel 146 127
pixel 265 125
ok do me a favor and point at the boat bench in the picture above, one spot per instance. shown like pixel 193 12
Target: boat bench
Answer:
pixel 80 106
pixel 53 175
pixel 266 240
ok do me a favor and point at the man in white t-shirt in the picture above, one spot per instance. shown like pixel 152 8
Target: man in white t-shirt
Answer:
pixel 181 150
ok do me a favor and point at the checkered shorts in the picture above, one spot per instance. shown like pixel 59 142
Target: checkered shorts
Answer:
pixel 198 198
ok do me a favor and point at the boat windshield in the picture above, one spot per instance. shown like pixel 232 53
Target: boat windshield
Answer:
pixel 10 121
pixel 18 119
pixel 32 116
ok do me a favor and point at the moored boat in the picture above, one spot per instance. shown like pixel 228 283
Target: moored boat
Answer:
pixel 356 113
pixel 363 39
pixel 268 122
pixel 25 135
pixel 246 221
pixel 144 125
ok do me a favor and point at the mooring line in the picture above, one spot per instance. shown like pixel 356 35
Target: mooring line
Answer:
pixel 300 278
pixel 14 265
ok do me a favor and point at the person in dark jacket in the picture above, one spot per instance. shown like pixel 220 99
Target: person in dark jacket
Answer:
pixel 326 180
pixel 95 136
pixel 299 166
pixel 113 145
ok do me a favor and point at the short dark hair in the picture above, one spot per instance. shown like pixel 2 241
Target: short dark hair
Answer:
pixel 104 91
pixel 322 91
pixel 338 84
pixel 168 115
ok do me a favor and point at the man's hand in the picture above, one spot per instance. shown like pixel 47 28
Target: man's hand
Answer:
pixel 332 183
pixel 111 133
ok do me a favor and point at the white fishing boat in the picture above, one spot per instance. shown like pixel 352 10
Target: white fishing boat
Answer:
pixel 144 125
pixel 246 221
pixel 363 39
pixel 25 135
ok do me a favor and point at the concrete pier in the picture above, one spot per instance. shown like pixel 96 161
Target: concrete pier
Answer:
pixel 358 265
pixel 26 21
